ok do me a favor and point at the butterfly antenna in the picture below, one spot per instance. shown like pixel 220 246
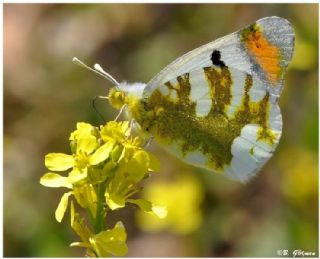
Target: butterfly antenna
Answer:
pixel 96 69
pixel 95 107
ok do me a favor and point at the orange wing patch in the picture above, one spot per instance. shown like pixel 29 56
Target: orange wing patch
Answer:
pixel 266 55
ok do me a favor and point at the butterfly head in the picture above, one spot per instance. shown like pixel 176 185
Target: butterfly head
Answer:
pixel 125 93
pixel 116 98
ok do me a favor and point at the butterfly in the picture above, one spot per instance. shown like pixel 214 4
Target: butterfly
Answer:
pixel 216 107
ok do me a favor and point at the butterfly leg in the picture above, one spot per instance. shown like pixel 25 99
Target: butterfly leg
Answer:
pixel 148 142
pixel 120 112
pixel 134 126
pixel 131 125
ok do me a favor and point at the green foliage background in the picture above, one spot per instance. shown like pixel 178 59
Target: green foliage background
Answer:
pixel 45 95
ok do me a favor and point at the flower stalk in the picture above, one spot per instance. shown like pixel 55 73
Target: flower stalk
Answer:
pixel 101 210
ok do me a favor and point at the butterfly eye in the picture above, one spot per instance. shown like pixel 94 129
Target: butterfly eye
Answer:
pixel 116 98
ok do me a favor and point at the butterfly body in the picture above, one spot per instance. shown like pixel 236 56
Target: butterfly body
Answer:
pixel 216 106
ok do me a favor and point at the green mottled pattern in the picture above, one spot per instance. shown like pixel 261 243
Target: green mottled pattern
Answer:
pixel 246 32
pixel 175 122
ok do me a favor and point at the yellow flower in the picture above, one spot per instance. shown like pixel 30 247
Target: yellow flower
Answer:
pixel 78 225
pixel 157 210
pixel 181 197
pixel 86 197
pixel 110 242
pixel 118 131
pixel 299 180
pixel 62 207
pixel 87 152
pixel 105 169
pixel 133 167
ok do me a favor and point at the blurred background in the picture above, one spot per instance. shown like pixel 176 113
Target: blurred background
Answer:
pixel 45 94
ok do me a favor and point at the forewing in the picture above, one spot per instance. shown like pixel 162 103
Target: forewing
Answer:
pixel 262 49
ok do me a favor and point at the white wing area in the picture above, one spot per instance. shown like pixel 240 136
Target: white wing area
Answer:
pixel 195 59
pixel 277 30
pixel 135 89
pixel 249 153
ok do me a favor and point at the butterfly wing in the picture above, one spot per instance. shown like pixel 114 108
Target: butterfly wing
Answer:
pixel 221 119
pixel 263 49
pixel 216 106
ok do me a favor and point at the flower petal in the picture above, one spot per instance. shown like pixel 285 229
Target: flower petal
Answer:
pixel 86 197
pixel 114 201
pixel 125 127
pixel 101 154
pixel 59 161
pixel 83 129
pixel 112 241
pixel 147 206
pixel 138 165
pixel 87 144
pixel 115 130
pixel 62 207
pixel 116 153
pixel 79 226
pixel 55 180
pixel 80 244
pixel 160 211
pixel 76 175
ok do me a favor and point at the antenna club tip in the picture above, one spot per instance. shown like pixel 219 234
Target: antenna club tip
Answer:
pixel 78 62
pixel 97 69
pixel 97 66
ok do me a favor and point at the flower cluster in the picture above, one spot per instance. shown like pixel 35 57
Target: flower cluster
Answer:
pixel 102 174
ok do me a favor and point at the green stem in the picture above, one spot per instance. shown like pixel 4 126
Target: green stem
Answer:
pixel 91 218
pixel 101 211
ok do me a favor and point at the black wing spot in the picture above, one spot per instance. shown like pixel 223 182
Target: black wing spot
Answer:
pixel 216 59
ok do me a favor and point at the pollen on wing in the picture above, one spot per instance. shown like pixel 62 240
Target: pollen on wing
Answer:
pixel 266 55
